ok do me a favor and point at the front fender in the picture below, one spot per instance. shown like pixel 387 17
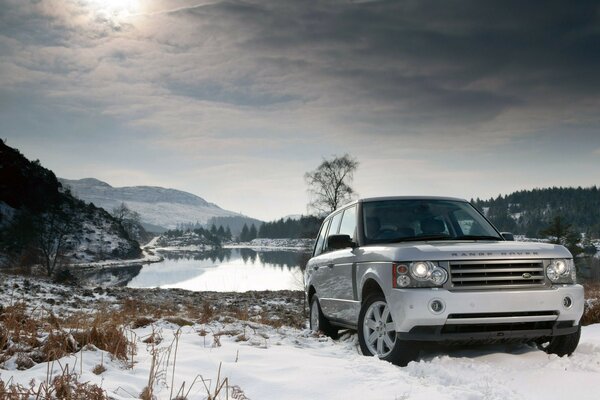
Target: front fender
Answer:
pixel 377 273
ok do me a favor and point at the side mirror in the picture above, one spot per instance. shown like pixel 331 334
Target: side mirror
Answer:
pixel 508 236
pixel 337 242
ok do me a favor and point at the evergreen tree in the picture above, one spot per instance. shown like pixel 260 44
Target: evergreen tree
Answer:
pixel 252 233
pixel 244 234
pixel 530 211
pixel 560 232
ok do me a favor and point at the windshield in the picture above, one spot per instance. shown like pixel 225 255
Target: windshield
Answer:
pixel 389 221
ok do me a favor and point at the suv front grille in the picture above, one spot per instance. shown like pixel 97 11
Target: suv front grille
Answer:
pixel 503 274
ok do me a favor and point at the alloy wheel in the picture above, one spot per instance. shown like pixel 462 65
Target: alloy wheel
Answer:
pixel 379 329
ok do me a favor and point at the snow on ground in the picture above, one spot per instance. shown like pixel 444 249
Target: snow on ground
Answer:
pixel 266 362
pixel 286 363
pixel 148 256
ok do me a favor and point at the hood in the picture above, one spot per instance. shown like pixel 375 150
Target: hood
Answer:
pixel 467 250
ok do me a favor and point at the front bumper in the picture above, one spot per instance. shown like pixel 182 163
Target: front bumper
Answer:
pixel 486 315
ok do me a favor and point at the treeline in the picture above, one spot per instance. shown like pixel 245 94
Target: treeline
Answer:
pixel 304 227
pixel 529 212
pixel 234 223
pixel 213 236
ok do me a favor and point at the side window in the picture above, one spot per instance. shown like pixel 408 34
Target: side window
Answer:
pixel 348 225
pixel 321 238
pixel 333 228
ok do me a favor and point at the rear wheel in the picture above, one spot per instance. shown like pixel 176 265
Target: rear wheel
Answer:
pixel 377 333
pixel 563 345
pixel 318 322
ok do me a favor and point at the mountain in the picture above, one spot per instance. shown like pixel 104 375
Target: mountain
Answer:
pixel 41 223
pixel 529 211
pixel 158 207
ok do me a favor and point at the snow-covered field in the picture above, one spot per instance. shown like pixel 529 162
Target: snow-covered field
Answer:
pixel 284 362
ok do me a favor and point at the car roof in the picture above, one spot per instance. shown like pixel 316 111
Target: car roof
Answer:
pixel 367 199
pixel 386 198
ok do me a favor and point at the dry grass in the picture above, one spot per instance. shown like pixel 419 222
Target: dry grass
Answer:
pixel 40 336
pixel 207 313
pixel 592 290
pixel 142 322
pixel 58 344
pixel 62 387
pixel 179 321
pixel 591 312
pixel 99 369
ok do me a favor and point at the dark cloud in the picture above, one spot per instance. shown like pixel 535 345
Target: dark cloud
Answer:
pixel 423 62
pixel 225 97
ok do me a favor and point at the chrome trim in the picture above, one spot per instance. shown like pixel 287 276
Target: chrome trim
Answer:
pixel 525 273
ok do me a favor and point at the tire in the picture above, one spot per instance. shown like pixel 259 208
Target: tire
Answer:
pixel 318 322
pixel 563 345
pixel 377 333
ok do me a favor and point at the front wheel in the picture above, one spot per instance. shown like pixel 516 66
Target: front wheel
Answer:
pixel 377 333
pixel 563 345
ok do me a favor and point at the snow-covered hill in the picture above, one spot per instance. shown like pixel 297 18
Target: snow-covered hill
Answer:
pixel 156 205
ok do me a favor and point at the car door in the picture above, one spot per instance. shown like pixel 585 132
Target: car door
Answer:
pixel 326 276
pixel 317 265
pixel 343 268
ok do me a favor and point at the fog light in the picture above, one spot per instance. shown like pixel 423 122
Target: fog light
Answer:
pixel 403 281
pixel 567 302
pixel 436 306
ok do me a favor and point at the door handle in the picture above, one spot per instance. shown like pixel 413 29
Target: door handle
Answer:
pixel 330 265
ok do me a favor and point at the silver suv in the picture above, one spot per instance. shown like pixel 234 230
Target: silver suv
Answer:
pixel 407 270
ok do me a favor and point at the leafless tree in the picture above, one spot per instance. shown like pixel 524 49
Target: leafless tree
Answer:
pixel 129 219
pixel 56 230
pixel 329 184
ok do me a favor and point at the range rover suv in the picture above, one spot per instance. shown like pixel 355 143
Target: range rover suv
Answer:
pixel 408 270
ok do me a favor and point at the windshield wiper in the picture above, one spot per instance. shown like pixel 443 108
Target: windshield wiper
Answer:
pixel 477 237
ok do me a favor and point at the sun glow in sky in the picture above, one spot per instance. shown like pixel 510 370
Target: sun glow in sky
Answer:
pixel 116 7
pixel 234 100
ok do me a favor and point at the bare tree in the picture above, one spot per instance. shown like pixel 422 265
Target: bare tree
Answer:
pixel 55 231
pixel 129 219
pixel 120 212
pixel 329 184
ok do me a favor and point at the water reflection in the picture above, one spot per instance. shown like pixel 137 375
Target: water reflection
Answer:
pixel 225 270
pixel 108 276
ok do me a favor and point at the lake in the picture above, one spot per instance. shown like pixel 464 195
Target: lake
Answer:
pixel 225 270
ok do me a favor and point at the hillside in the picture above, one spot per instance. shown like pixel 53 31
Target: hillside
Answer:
pixel 528 211
pixel 40 222
pixel 158 207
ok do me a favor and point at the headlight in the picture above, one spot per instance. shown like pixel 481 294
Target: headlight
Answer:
pixel 419 274
pixel 421 270
pixel 561 271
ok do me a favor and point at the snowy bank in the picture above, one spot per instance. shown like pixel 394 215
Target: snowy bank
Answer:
pixel 276 244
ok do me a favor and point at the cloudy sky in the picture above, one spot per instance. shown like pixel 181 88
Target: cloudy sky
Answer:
pixel 235 100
